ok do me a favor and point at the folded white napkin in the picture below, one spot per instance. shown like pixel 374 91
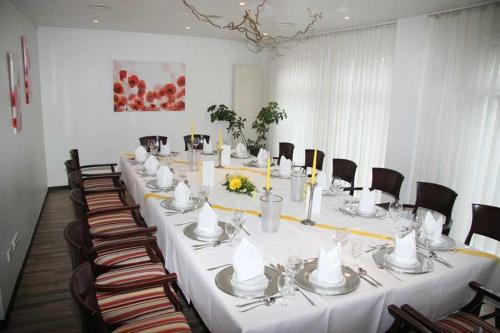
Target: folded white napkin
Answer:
pixel 226 155
pixel 241 150
pixel 181 195
pixel 367 201
pixel 140 154
pixel 164 150
pixel 164 177
pixel 405 251
pixel 316 205
pixel 248 262
pixel 208 173
pixel 262 157
pixel 285 166
pixel 330 265
pixel 322 180
pixel 433 228
pixel 151 165
pixel 208 222
pixel 207 147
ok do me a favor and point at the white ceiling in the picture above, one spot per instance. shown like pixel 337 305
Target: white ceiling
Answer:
pixel 171 16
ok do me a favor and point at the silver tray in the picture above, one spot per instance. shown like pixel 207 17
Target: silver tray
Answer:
pixel 276 174
pixel 203 153
pixel 448 244
pixel 152 185
pixel 425 264
pixel 223 282
pixel 254 164
pixel 351 280
pixel 189 233
pixel 233 155
pixel 197 203
pixel 352 208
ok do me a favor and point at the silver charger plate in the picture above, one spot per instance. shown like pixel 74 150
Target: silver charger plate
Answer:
pixel 447 244
pixel 204 153
pixel 254 164
pixel 234 155
pixel 142 172
pixel 190 233
pixel 197 203
pixel 351 280
pixel 352 208
pixel 425 264
pixel 152 185
pixel 223 282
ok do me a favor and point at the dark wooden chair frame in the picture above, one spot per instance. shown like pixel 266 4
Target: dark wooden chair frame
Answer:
pixel 75 158
pixel 76 179
pixel 285 149
pixel 485 221
pixel 200 137
pixel 143 140
pixel 345 170
pixel 308 159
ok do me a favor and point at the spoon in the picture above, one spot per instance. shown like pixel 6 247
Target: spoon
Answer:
pixel 305 296
pixel 434 256
pixel 217 267
pixel 266 301
pixel 363 272
pixel 388 271
pixel 202 246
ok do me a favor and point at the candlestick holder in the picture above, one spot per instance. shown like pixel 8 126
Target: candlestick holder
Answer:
pixel 219 153
pixel 267 191
pixel 308 220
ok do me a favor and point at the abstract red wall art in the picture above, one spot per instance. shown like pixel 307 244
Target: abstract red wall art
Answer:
pixel 148 86
pixel 26 70
pixel 14 92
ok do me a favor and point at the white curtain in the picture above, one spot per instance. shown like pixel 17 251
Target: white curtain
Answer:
pixel 458 143
pixel 336 91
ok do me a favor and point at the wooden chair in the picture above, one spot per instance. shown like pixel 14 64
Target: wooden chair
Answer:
pixel 75 163
pixel 94 181
pixel 485 221
pixel 309 157
pixel 345 170
pixel 143 140
pixel 286 149
pixel 459 322
pixel 386 180
pixel 435 197
pixel 125 304
pixel 200 137
pixel 404 323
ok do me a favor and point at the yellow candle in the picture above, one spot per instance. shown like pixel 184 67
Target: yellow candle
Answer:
pixel 220 138
pixel 192 131
pixel 313 177
pixel 268 176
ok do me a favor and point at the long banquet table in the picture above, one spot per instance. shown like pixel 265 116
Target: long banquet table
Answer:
pixel 436 293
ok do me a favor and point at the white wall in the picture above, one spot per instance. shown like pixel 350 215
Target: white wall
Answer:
pixel 76 75
pixel 407 80
pixel 23 177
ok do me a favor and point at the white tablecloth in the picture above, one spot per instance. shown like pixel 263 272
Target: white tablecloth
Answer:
pixel 435 294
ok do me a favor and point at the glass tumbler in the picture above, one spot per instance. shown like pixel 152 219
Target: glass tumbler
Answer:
pixel 270 211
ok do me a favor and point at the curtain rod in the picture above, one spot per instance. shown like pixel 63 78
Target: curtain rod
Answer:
pixel 465 7
pixel 349 29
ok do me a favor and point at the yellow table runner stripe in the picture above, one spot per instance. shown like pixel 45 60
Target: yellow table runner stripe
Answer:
pixel 155 196
pixel 477 253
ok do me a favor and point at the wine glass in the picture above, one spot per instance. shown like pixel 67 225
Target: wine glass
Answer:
pixel 342 236
pixel 231 230
pixel 284 287
pixel 152 145
pixel 356 250
pixel 293 265
pixel 195 142
pixel 204 191
pixel 183 173
pixel 396 210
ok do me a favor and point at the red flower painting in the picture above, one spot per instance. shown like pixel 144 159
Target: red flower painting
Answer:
pixel 26 69
pixel 149 86
pixel 14 92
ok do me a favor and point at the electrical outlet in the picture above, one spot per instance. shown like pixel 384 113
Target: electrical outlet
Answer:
pixel 14 241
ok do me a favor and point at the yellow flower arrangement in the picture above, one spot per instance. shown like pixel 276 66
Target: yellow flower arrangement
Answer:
pixel 239 184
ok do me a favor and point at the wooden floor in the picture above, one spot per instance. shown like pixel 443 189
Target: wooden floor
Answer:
pixel 43 302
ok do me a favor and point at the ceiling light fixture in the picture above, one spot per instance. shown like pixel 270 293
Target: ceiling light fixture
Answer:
pixel 187 28
pixel 98 5
pixel 249 27
pixel 242 3
pixel 265 34
pixel 95 21
pixel 346 17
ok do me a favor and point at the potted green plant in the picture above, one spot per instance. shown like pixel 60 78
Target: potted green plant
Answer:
pixel 236 123
pixel 268 115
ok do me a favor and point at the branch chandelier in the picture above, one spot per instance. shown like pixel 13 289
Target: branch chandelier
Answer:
pixel 249 26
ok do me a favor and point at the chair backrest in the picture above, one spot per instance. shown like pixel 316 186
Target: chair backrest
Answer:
pixel 68 164
pixel 485 221
pixel 309 159
pixel 75 158
pixel 73 237
pixel 345 170
pixel 83 292
pixel 286 149
pixel 200 137
pixel 143 140
pixel 436 197
pixel 387 180
pixel 80 206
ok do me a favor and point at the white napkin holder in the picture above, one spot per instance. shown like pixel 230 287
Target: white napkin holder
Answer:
pixel 164 177
pixel 182 195
pixel 367 201
pixel 247 261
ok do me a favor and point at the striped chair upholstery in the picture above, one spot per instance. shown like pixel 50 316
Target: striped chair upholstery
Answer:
pixel 122 257
pixel 174 322
pixel 103 200
pixel 111 222
pixel 138 273
pixel 462 322
pixel 125 307
pixel 96 184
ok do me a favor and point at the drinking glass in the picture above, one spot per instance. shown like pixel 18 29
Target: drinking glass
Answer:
pixel 342 236
pixel 396 210
pixel 152 146
pixel 195 142
pixel 356 250
pixel 204 191
pixel 183 173
pixel 231 230
pixel 284 287
pixel 294 263
pixel 270 208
